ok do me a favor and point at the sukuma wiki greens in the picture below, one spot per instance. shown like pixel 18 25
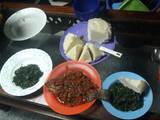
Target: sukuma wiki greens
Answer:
pixel 124 98
pixel 27 76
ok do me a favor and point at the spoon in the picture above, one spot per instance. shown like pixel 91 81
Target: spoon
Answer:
pixel 112 52
pixel 104 49
pixel 103 94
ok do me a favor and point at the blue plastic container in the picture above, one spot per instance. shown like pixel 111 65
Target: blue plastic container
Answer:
pixel 86 9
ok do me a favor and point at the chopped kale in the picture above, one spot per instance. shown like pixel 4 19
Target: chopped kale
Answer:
pixel 124 98
pixel 27 76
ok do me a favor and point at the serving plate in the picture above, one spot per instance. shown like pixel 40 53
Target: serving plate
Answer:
pixel 23 58
pixel 25 24
pixel 148 98
pixel 80 29
pixel 60 70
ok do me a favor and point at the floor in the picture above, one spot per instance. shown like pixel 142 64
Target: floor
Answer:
pixel 17 114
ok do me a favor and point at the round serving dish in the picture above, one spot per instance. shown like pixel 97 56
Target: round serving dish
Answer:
pixel 80 29
pixel 60 70
pixel 25 24
pixel 24 58
pixel 148 98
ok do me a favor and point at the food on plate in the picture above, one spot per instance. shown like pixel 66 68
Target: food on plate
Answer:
pixel 71 40
pixel 75 49
pixel 73 88
pixel 75 52
pixel 85 55
pixel 95 33
pixel 136 85
pixel 27 76
pixel 95 52
pixel 124 98
pixel 99 30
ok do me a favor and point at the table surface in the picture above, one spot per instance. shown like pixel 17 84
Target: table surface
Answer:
pixel 131 27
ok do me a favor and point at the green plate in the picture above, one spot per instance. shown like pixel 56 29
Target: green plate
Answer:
pixel 133 5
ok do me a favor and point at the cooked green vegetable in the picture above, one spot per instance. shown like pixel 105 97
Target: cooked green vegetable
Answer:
pixel 124 98
pixel 27 76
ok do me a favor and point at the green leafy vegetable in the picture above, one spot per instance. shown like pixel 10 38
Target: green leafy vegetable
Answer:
pixel 27 76
pixel 124 98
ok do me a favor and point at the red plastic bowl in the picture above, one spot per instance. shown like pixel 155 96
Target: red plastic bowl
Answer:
pixel 61 69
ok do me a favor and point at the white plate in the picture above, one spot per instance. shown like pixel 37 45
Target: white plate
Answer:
pixel 23 58
pixel 25 24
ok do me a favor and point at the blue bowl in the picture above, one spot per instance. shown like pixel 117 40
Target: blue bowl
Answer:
pixel 86 9
pixel 80 29
pixel 115 5
pixel 148 98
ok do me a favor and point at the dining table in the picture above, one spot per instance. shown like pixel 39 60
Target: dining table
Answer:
pixel 137 36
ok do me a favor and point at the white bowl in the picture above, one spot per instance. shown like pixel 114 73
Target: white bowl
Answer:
pixel 25 24
pixel 24 58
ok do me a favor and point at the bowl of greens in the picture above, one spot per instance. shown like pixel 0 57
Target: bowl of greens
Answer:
pixel 25 72
pixel 127 100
